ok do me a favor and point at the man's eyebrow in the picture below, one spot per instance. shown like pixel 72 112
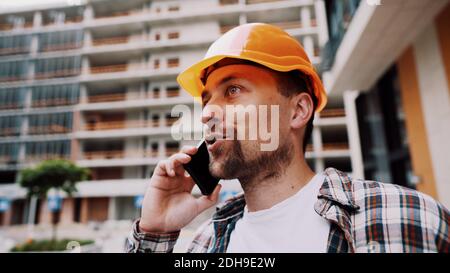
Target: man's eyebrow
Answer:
pixel 222 82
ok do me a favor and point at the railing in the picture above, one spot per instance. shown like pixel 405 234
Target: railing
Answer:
pixel 112 125
pixel 171 120
pixel 224 29
pixel 171 151
pixel 13 78
pixel 289 24
pixel 104 154
pixel 250 2
pixel 331 113
pixel 110 41
pixel 9 131
pixel 335 146
pixel 4 27
pixel 151 153
pixel 16 50
pixel 57 74
pixel 57 47
pixel 50 129
pixel 6 159
pixel 228 2
pixel 109 68
pixel 107 97
pixel 52 102
pixel 119 14
pixel 42 157
pixel 172 93
pixel 10 106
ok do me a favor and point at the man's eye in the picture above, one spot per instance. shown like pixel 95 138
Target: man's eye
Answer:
pixel 233 90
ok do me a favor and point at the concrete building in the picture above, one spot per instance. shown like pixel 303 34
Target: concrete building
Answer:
pixel 390 60
pixel 95 83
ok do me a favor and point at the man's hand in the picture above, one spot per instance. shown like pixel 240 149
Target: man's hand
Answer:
pixel 168 204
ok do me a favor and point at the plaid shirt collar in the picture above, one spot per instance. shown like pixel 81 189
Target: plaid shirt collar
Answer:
pixel 335 203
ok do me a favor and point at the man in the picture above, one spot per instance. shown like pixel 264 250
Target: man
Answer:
pixel 285 206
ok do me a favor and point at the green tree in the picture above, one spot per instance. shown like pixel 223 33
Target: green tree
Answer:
pixel 58 174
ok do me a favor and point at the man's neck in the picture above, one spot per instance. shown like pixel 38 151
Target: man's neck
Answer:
pixel 266 190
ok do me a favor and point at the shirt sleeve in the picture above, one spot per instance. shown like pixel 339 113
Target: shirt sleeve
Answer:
pixel 146 242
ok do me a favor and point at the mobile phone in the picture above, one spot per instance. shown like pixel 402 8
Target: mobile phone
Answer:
pixel 198 169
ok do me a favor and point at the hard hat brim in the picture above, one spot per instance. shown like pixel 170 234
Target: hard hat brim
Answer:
pixel 190 79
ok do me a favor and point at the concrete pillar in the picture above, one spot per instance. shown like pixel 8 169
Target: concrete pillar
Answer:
pixel 83 94
pixel 242 18
pixel 353 133
pixel 305 16
pixel 308 45
pixel 322 24
pixel 88 13
pixel 67 211
pixel 84 210
pixel 87 39
pixel 161 148
pixel 112 208
pixel 85 66
pixel 37 19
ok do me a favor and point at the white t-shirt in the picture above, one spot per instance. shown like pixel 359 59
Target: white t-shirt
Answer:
pixel 289 226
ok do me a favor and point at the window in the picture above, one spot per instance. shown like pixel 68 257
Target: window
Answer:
pixel 157 36
pixel 59 123
pixel 173 62
pixel 10 126
pixel 12 98
pixel 55 95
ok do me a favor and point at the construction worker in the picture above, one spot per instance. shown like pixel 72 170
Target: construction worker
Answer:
pixel 285 206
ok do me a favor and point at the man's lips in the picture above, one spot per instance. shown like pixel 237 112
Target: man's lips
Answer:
pixel 214 141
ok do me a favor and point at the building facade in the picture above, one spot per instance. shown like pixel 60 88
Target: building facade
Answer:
pixel 390 60
pixel 95 83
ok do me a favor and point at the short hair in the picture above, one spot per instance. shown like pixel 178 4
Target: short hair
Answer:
pixel 295 82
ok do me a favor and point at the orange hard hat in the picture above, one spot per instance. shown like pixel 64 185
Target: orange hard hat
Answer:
pixel 264 44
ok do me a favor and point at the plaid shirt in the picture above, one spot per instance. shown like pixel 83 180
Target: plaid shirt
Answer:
pixel 365 216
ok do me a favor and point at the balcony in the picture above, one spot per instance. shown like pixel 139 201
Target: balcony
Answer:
pixel 7 27
pixel 13 78
pixel 10 106
pixel 6 132
pixel 50 129
pixel 7 159
pixel 68 20
pixel 332 113
pixel 50 102
pixel 57 47
pixel 30 158
pixel 335 146
pixel 119 14
pixel 114 125
pixel 92 155
pixel 251 2
pixel 107 98
pixel 109 68
pixel 57 74
pixel 15 50
pixel 110 41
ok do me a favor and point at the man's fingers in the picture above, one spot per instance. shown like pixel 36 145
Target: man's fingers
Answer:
pixel 188 149
pixel 176 161
pixel 204 202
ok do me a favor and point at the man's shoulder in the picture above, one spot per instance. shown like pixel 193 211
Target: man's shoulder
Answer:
pixel 369 194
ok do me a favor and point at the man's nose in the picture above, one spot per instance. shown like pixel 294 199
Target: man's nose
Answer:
pixel 210 113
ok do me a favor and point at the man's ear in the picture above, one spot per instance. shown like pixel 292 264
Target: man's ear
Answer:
pixel 302 106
